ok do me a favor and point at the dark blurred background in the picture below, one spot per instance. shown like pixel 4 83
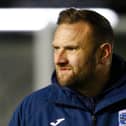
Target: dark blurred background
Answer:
pixel 18 62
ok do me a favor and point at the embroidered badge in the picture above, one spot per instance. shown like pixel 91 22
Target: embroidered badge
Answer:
pixel 122 117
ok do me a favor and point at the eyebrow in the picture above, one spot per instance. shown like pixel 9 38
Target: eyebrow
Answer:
pixel 66 46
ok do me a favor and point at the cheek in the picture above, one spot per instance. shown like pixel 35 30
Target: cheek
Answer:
pixel 77 61
pixel 55 58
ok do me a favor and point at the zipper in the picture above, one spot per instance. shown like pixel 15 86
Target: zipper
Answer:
pixel 94 120
pixel 93 116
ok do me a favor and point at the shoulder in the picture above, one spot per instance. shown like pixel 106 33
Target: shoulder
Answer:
pixel 40 95
pixel 36 100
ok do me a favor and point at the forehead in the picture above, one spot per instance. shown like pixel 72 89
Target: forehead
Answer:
pixel 72 33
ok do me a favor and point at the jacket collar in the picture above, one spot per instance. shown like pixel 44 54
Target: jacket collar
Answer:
pixel 64 96
pixel 112 95
pixel 115 88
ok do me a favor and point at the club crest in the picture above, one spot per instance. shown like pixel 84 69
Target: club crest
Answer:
pixel 122 117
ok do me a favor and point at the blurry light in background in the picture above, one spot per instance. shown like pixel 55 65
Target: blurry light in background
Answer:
pixel 35 19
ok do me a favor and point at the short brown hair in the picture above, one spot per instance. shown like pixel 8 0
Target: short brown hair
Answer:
pixel 102 30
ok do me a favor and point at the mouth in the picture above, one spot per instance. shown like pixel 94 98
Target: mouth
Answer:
pixel 64 68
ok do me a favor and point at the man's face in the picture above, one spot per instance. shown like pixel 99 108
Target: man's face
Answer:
pixel 73 53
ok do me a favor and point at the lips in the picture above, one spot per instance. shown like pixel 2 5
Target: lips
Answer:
pixel 64 68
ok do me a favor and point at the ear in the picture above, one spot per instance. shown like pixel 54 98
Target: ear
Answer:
pixel 105 52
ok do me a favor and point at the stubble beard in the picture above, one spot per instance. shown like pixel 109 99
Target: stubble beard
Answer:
pixel 81 80
pixel 64 79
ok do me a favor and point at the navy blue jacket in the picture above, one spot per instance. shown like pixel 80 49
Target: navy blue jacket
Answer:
pixel 61 106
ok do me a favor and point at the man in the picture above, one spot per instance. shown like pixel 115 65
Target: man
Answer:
pixel 89 82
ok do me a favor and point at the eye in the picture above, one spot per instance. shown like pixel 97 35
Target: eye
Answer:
pixel 56 48
pixel 71 48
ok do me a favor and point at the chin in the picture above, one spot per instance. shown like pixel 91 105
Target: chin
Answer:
pixel 62 83
pixel 65 82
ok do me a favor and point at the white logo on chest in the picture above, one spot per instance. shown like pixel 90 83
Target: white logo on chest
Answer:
pixel 58 121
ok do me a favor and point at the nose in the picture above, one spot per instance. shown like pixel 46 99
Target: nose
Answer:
pixel 61 58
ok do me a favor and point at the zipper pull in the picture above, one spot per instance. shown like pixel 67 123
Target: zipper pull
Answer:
pixel 94 120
